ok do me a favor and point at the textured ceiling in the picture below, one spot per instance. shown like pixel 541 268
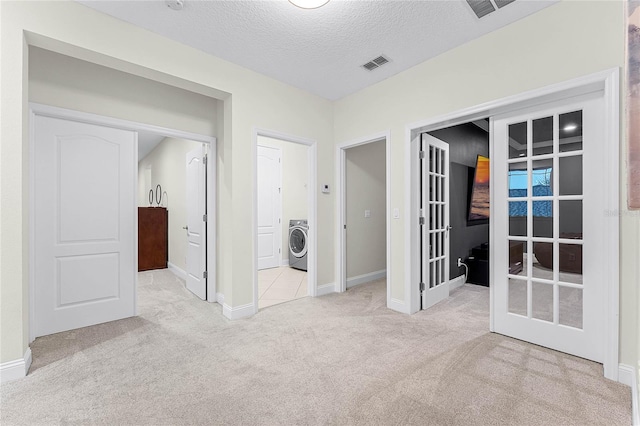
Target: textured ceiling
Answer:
pixel 320 50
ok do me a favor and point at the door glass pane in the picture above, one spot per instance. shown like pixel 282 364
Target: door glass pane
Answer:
pixel 543 219
pixel 570 301
pixel 432 246
pixel 517 265
pixel 518 218
pixel 542 301
pixel 517 296
pixel 518 140
pixel 570 217
pixel 542 178
pixel 543 136
pixel 570 263
pixel 570 131
pixel 518 183
pixel 432 274
pixel 571 175
pixel 542 261
pixel 432 160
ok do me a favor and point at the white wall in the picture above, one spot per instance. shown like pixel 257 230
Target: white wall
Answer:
pixel 167 163
pixel 366 242
pixel 565 41
pixel 295 172
pixel 67 82
pixel 248 100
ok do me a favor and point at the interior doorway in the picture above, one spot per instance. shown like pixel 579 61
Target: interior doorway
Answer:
pixel 363 254
pixel 531 287
pixel 455 206
pixel 284 248
pixel 172 208
pixel 98 243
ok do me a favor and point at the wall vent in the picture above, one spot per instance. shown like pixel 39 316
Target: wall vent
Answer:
pixel 375 63
pixel 484 7
pixel 502 3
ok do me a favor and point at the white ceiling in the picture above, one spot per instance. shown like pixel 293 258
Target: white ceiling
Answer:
pixel 320 50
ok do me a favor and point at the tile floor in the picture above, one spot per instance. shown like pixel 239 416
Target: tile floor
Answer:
pixel 278 285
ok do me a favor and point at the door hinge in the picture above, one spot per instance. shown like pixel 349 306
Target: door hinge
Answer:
pixel 279 250
pixel 204 159
pixel 279 190
pixel 204 217
pixel 345 226
pixel 422 154
pixel 421 220
pixel 422 286
pixel 205 275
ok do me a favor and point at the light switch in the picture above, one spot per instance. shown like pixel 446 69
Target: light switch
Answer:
pixel 396 213
pixel 367 213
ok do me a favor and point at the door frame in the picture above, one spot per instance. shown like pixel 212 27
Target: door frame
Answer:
pixel 312 219
pixel 281 224
pixel 341 211
pixel 607 81
pixel 36 109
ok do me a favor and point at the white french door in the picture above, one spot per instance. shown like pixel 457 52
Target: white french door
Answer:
pixel 84 224
pixel 434 220
pixel 197 222
pixel 548 245
pixel 269 207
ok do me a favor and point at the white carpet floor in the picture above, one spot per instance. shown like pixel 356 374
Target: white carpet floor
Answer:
pixel 340 359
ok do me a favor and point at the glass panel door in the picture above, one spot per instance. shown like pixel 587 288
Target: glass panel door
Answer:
pixel 543 204
pixel 435 220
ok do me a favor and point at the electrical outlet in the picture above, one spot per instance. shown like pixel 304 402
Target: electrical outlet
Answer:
pixel 460 262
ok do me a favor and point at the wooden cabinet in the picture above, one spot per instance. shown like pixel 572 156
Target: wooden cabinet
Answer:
pixel 153 238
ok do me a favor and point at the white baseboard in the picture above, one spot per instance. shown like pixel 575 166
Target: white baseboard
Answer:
pixel 220 298
pixel 178 272
pixel 325 289
pixel 398 305
pixel 456 282
pixel 627 376
pixel 285 262
pixel 242 311
pixel 14 370
pixel 365 278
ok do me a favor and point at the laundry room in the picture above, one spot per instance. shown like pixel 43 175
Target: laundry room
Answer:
pixel 282 172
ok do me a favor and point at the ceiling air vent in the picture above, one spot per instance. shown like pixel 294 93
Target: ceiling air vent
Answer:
pixel 375 63
pixel 481 7
pixel 484 7
pixel 502 3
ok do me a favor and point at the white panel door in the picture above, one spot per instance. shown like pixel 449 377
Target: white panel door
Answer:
pixel 269 207
pixel 434 228
pixel 84 233
pixel 548 240
pixel 196 222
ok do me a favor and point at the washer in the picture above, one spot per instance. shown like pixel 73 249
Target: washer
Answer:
pixel 298 243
